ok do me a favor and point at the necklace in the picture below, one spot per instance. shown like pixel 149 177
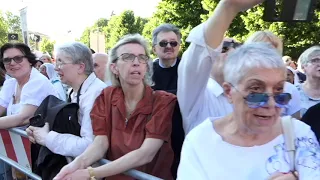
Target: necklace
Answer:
pixel 129 110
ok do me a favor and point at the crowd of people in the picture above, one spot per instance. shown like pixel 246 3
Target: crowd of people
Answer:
pixel 215 113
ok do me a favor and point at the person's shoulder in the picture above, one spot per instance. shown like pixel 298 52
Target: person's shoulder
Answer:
pixel 111 90
pixel 288 87
pixel 100 84
pixel 301 128
pixel 160 94
pixel 202 131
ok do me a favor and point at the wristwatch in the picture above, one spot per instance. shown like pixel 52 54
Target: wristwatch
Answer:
pixel 92 176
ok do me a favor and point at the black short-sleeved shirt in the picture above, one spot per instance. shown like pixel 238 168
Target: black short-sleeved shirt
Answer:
pixel 312 118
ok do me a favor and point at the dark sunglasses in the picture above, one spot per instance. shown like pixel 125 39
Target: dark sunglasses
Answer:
pixel 256 100
pixel 17 59
pixel 127 57
pixel 227 45
pixel 165 43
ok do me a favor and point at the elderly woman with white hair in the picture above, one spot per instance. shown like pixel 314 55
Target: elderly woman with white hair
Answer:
pixel 75 67
pixel 132 123
pixel 248 143
pixel 47 69
pixel 293 107
pixel 310 89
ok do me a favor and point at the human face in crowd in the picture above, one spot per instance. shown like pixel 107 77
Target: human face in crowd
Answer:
pixel 257 80
pixel 293 65
pixel 100 65
pixel 43 71
pixel 218 65
pixel 45 60
pixel 66 69
pixel 130 72
pixel 37 65
pixel 168 45
pixel 19 66
pixel 312 68
pixel 290 76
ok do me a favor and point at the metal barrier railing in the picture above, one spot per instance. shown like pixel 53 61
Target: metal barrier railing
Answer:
pixel 133 173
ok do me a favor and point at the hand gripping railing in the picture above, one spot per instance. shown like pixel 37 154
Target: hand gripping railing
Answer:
pixel 133 173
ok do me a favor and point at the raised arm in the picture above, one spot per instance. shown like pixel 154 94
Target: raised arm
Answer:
pixel 197 61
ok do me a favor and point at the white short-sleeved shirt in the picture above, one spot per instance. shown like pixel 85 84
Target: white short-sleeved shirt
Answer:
pixel 294 104
pixel 71 145
pixel 305 100
pixel 33 92
pixel 206 156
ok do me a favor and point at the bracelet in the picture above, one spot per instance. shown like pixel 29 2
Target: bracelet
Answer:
pixel 92 176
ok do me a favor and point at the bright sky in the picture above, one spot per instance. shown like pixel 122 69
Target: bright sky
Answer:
pixel 56 17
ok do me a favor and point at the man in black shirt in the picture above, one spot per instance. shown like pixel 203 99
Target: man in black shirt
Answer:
pixel 311 117
pixel 166 40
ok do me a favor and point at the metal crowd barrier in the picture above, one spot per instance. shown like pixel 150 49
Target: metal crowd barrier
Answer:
pixel 133 173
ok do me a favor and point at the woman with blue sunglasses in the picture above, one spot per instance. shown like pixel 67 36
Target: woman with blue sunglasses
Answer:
pixel 249 143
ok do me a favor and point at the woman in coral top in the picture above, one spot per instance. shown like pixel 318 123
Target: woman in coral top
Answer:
pixel 131 122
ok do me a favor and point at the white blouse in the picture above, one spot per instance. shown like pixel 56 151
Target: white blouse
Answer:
pixel 206 156
pixel 71 145
pixel 33 92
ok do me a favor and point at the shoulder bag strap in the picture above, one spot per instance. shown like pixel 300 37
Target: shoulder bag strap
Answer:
pixel 289 138
pixel 78 94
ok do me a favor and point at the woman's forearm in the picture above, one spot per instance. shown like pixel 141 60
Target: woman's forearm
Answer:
pixel 129 161
pixel 94 152
pixel 219 23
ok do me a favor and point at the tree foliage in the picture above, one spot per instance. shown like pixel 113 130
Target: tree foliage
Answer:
pixel 47 46
pixel 296 36
pixel 123 24
pixel 184 14
pixel 187 14
pixel 9 23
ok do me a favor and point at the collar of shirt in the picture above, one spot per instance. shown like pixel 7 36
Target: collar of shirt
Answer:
pixel 144 106
pixel 163 66
pixel 215 87
pixel 86 84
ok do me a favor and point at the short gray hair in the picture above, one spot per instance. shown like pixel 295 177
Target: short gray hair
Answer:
pixel 250 56
pixel 308 54
pixel 79 53
pixel 130 39
pixel 165 28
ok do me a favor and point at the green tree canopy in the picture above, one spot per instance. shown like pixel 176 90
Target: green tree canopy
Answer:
pixel 297 36
pixel 47 46
pixel 123 24
pixel 184 14
pixel 9 23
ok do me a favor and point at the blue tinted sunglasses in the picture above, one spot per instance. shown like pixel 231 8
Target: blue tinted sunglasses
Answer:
pixel 256 100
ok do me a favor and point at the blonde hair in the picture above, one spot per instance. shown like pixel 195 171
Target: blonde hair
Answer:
pixel 269 37
pixel 128 39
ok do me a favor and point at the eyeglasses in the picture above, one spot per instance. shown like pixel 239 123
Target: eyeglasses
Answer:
pixel 165 43
pixel 17 59
pixel 127 57
pixel 227 45
pixel 59 65
pixel 256 100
